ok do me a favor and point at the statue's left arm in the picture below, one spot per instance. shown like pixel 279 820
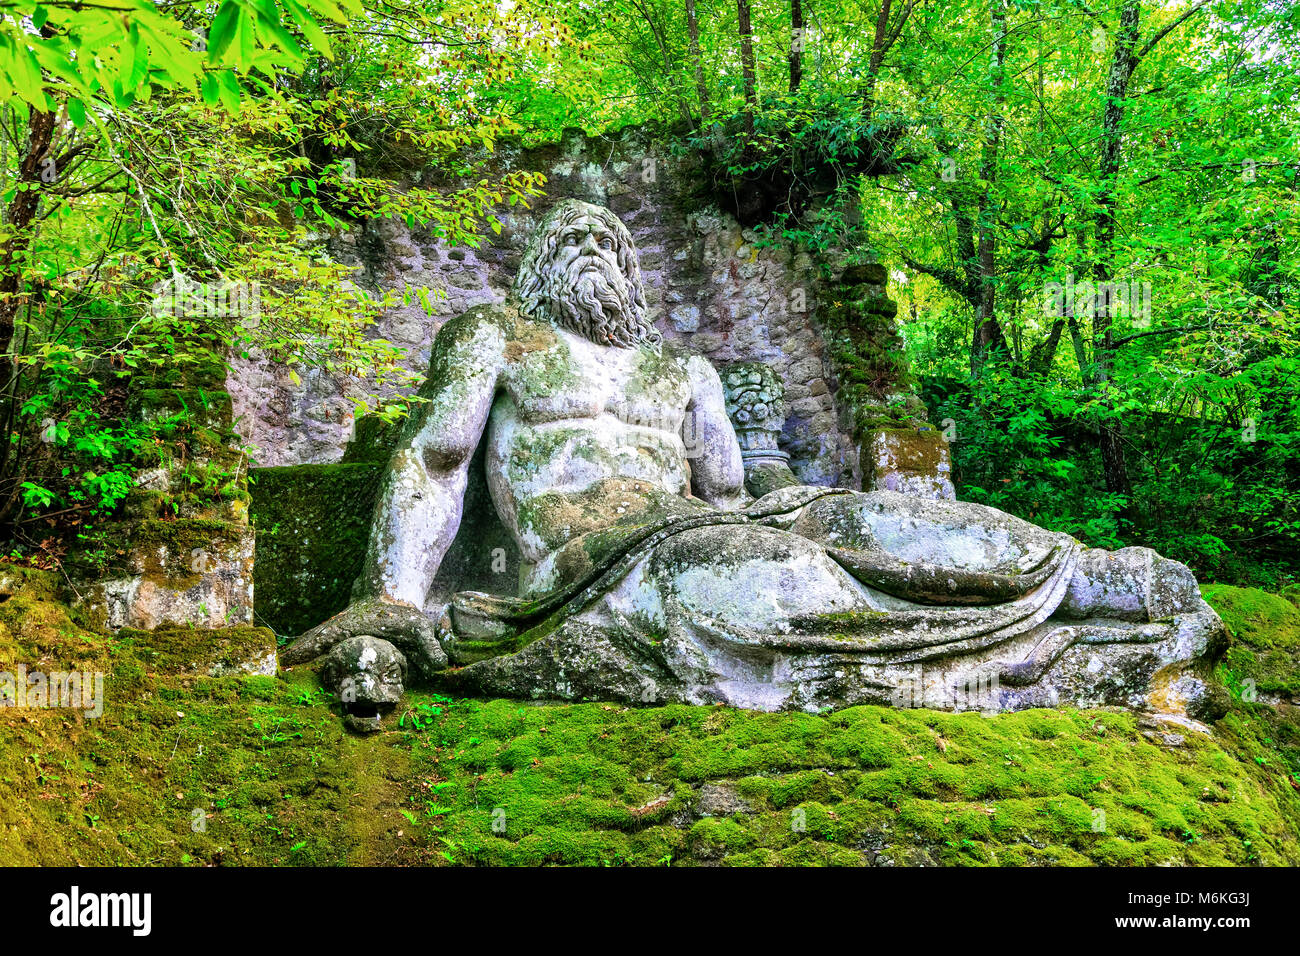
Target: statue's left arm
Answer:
pixel 717 471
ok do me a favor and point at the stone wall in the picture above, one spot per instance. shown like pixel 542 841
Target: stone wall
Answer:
pixel 708 281
pixel 180 550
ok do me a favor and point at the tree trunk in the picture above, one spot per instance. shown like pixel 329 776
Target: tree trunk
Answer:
pixel 747 69
pixel 1123 63
pixel 20 218
pixel 988 337
pixel 879 44
pixel 796 44
pixel 697 60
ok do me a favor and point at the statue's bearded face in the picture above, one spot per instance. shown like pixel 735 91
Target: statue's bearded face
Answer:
pixel 581 273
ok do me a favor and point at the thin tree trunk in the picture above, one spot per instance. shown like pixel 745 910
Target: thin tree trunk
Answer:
pixel 1123 63
pixel 697 60
pixel 1043 353
pixel 796 44
pixel 20 216
pixel 20 219
pixel 879 45
pixel 747 69
pixel 1080 347
pixel 988 337
pixel 669 67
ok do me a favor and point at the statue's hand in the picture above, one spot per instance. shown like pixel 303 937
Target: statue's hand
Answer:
pixel 400 624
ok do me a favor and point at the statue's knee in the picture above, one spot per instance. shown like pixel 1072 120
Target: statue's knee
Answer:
pixel 1134 584
pixel 752 576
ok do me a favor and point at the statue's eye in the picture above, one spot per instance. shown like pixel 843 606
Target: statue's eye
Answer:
pixel 570 240
pixel 607 243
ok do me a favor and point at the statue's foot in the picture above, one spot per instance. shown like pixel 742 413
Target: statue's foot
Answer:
pixel 1130 584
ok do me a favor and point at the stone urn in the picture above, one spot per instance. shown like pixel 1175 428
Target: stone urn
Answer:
pixel 755 398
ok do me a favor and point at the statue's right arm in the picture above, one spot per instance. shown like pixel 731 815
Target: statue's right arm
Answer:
pixel 422 495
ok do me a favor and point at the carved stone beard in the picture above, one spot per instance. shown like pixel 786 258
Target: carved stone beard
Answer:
pixel 592 298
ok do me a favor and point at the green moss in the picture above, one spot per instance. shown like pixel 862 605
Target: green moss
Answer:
pixel 1292 593
pixel 275 780
pixel 181 768
pixel 313 526
pixel 858 786
pixel 193 650
pixel 1260 670
pixel 1263 655
pixel 1254 617
pixel 372 441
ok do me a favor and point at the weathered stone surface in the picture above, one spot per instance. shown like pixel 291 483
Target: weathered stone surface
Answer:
pixel 691 658
pixel 181 549
pixel 911 460
pixel 207 585
pixel 864 273
pixel 720 800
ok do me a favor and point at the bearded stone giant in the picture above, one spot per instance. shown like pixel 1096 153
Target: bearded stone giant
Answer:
pixel 649 571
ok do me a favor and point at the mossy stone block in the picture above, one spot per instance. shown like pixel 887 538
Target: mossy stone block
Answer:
pixel 313 524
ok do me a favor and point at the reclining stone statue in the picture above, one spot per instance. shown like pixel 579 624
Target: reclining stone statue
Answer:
pixel 649 573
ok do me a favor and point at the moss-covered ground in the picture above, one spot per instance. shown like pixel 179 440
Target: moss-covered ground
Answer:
pixel 185 768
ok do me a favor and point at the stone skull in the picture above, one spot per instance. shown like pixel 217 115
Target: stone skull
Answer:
pixel 368 674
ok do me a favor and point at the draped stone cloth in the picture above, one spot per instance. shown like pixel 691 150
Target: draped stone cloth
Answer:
pixel 1010 584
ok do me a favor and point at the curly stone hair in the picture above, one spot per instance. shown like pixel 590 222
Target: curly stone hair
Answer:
pixel 546 293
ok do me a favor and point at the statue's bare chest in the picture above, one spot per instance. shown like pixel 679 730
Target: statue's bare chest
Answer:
pixel 571 378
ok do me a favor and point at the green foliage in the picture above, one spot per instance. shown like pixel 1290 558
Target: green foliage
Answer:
pixel 1216 489
pixel 115 54
pixel 1011 452
pixel 188 182
pixel 807 149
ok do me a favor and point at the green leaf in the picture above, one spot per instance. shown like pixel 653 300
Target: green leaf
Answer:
pixel 211 89
pixel 247 31
pixel 229 91
pixel 223 30
pixel 310 29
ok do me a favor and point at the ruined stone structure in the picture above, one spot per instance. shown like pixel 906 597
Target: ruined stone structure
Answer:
pixel 181 551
